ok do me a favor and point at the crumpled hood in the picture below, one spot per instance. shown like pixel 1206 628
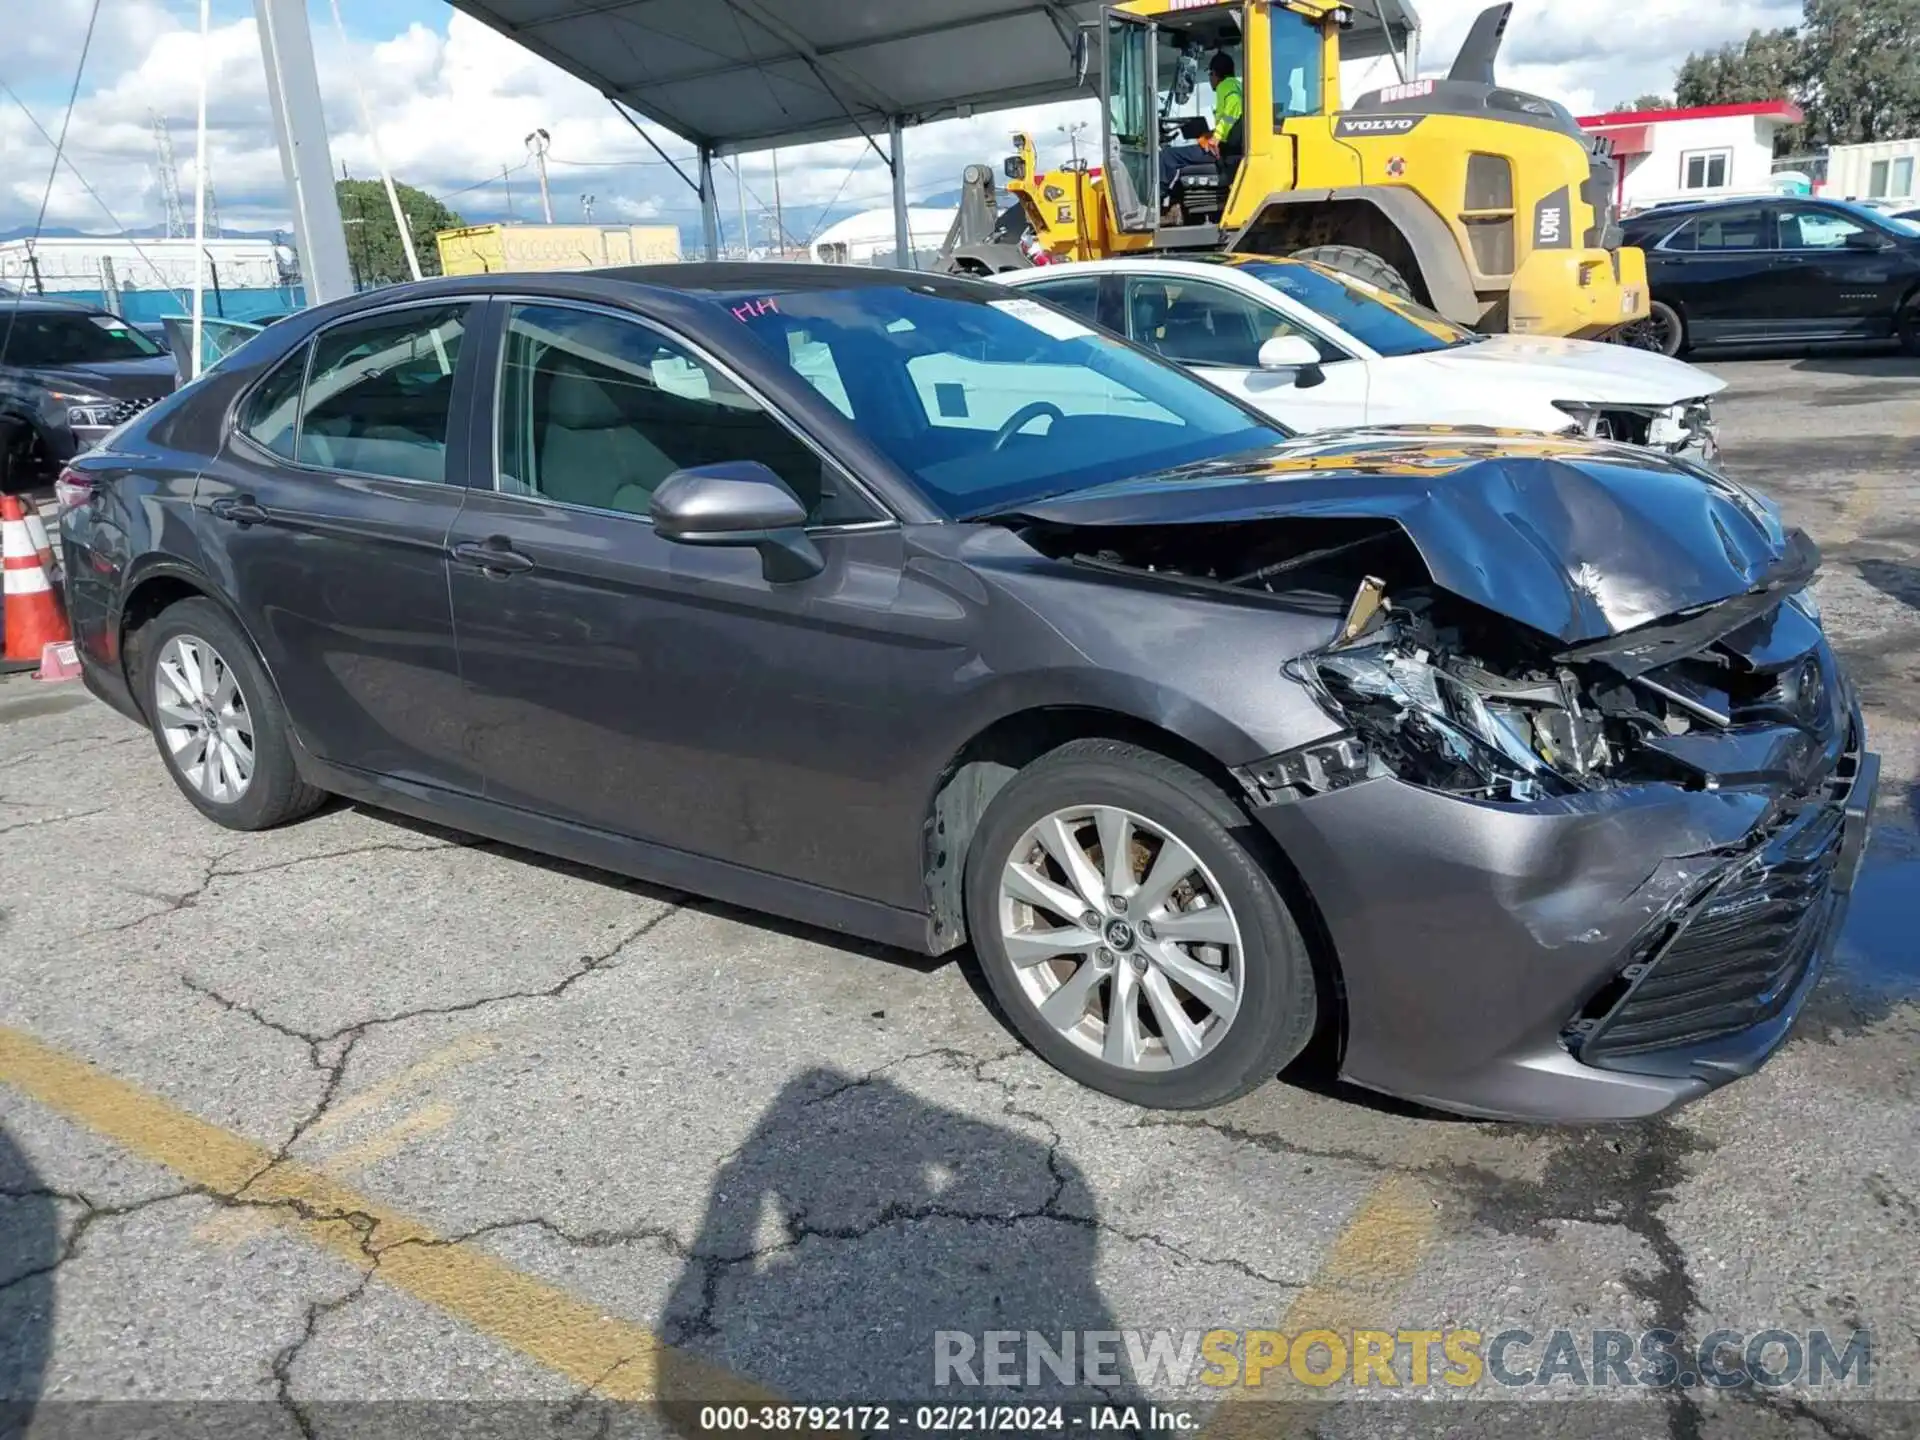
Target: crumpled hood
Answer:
pixel 1578 540
pixel 1577 370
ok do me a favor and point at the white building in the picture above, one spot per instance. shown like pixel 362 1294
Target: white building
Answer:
pixel 1885 170
pixel 66 264
pixel 860 239
pixel 1707 153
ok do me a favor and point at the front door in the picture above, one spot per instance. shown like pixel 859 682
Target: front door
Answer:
pixel 668 692
pixel 334 498
pixel 1217 332
pixel 1825 284
pixel 1131 123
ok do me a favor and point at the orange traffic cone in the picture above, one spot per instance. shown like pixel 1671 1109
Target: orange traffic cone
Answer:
pixel 33 614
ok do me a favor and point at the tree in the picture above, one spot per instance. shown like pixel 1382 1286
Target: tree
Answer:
pixel 1862 69
pixel 373 244
pixel 1642 102
pixel 1770 65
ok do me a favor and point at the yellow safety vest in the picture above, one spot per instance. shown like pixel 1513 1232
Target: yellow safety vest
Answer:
pixel 1229 104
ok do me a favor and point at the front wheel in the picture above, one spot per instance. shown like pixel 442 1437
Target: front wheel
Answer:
pixel 1130 935
pixel 1907 326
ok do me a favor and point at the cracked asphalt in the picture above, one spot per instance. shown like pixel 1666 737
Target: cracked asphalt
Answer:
pixel 360 1110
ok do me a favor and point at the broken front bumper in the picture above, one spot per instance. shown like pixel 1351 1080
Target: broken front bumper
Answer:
pixel 1489 952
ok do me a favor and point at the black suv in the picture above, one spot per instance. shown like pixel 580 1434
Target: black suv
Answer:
pixel 1787 269
pixel 69 373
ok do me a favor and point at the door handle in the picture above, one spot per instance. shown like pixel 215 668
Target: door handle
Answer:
pixel 497 556
pixel 241 509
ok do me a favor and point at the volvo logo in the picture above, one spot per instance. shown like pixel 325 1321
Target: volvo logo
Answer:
pixel 1119 935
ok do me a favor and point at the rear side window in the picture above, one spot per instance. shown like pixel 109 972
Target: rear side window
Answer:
pixel 1079 295
pixel 379 394
pixel 272 416
pixel 1729 230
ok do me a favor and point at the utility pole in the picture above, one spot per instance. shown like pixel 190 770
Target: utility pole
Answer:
pixel 779 217
pixel 586 208
pixel 507 185
pixel 740 194
pixel 537 144
pixel 167 177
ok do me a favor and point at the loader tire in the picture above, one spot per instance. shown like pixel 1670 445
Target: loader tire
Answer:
pixel 1361 264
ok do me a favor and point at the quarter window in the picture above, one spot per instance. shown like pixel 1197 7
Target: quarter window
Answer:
pixel 272 416
pixel 1078 295
pixel 1705 169
pixel 380 392
pixel 597 410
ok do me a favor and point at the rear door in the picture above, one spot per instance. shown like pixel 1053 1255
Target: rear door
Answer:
pixel 1719 268
pixel 1826 287
pixel 330 507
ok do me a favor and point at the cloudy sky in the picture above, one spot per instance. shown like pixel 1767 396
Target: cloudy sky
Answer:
pixel 454 101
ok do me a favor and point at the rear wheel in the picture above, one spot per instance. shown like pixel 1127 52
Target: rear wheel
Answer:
pixel 1663 331
pixel 1361 264
pixel 218 722
pixel 1130 935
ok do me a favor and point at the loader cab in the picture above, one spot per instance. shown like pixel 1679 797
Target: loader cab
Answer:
pixel 1159 100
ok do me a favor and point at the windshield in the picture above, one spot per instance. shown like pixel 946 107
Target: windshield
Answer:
pixel 989 402
pixel 42 337
pixel 1879 219
pixel 1384 323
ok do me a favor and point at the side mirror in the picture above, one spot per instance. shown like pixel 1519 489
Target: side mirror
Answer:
pixel 1082 57
pixel 1295 353
pixel 739 502
pixel 1016 167
pixel 1867 240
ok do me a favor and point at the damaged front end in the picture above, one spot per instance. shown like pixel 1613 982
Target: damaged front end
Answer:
pixel 1566 876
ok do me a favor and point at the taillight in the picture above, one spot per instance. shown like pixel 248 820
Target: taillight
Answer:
pixel 72 490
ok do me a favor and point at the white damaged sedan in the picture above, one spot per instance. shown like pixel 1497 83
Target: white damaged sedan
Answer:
pixel 1319 350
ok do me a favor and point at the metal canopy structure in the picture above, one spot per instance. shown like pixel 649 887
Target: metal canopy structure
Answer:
pixel 741 75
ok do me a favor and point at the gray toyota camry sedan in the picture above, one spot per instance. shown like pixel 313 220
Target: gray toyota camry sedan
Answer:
pixel 1515 771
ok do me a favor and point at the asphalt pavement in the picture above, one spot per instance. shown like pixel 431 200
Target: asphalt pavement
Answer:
pixel 360 1110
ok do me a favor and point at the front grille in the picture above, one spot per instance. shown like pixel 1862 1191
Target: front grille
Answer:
pixel 1733 958
pixel 122 411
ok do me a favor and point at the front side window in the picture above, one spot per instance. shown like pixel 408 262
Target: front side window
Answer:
pixel 1816 230
pixel 379 394
pixel 1705 169
pixel 1297 52
pixel 596 410
pixel 1203 324
pixel 271 418
pixel 985 399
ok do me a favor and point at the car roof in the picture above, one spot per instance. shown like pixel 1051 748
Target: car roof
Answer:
pixel 1210 262
pixel 50 304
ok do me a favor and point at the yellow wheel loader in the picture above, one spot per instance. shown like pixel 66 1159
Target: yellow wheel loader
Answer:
pixel 1489 205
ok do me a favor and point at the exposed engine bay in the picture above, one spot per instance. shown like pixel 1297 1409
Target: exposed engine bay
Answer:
pixel 1446 694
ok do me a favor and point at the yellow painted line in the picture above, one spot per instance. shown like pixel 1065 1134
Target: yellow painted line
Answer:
pixel 461 1052
pixel 621 1360
pixel 1371 1260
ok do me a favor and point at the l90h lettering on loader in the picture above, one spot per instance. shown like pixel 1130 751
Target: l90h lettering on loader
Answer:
pixel 1485 203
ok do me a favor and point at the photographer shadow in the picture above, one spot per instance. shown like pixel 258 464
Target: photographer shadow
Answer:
pixel 30 1248
pixel 861 1245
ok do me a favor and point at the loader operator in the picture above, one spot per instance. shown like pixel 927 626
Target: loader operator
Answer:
pixel 1229 105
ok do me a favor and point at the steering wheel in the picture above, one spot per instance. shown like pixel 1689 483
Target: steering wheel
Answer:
pixel 1022 418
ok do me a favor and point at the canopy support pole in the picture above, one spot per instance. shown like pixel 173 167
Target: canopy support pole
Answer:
pixel 902 230
pixel 300 125
pixel 709 210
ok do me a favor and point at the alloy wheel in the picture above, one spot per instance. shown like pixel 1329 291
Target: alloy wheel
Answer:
pixel 1121 938
pixel 204 718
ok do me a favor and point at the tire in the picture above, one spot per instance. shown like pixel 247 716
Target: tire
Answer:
pixel 1906 325
pixel 1361 264
pixel 273 792
pixel 20 467
pixel 1664 331
pixel 1274 1013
